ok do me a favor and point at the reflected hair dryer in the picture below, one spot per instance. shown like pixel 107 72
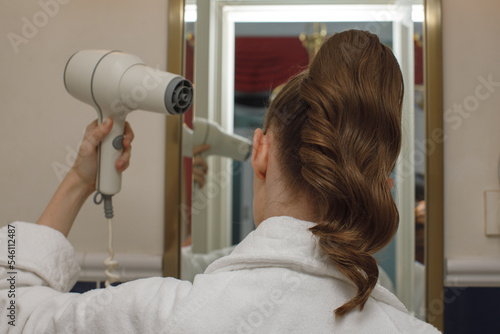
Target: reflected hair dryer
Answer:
pixel 116 83
pixel 223 144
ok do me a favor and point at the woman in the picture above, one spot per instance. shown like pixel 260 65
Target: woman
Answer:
pixel 322 207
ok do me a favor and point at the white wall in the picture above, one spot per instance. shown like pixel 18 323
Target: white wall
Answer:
pixel 41 124
pixel 471 56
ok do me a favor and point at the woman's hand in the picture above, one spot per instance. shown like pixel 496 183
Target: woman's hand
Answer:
pixel 79 183
pixel 200 166
pixel 85 166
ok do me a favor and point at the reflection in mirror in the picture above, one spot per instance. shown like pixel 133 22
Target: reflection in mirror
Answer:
pixel 201 138
pixel 419 163
pixel 264 55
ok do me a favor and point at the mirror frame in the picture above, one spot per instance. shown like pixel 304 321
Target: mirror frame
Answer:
pixel 434 187
pixel 434 250
pixel 173 147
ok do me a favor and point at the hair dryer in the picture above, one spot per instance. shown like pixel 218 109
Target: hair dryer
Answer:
pixel 222 144
pixel 117 83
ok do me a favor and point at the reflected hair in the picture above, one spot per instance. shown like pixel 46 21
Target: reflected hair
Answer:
pixel 337 130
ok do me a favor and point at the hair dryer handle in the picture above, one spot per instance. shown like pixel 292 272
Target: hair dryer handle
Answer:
pixel 109 180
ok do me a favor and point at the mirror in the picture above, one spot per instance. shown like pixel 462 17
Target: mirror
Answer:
pixel 219 214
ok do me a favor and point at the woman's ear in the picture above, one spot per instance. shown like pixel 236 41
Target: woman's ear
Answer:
pixel 260 153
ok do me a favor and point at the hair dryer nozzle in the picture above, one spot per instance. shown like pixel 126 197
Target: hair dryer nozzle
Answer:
pixel 178 96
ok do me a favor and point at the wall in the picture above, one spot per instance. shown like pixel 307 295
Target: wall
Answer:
pixel 471 59
pixel 41 125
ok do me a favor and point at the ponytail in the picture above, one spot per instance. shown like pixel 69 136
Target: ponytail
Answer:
pixel 338 130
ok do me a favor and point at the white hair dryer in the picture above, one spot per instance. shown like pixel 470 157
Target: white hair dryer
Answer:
pixel 116 83
pixel 223 144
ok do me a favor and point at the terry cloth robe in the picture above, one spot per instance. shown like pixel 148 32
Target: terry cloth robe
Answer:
pixel 277 280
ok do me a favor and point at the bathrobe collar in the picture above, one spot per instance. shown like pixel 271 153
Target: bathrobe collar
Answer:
pixel 287 242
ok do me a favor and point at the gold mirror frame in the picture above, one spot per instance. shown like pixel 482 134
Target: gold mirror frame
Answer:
pixel 173 158
pixel 433 79
pixel 434 162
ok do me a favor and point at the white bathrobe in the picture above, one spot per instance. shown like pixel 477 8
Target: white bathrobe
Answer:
pixel 277 280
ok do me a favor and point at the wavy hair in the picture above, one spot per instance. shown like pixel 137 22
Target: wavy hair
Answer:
pixel 337 127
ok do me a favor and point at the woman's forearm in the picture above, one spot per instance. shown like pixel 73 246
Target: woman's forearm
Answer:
pixel 66 203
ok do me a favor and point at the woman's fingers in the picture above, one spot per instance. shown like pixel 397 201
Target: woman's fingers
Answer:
pixel 200 166
pixel 199 177
pixel 93 136
pixel 200 163
pixel 128 135
pixel 200 148
pixel 124 161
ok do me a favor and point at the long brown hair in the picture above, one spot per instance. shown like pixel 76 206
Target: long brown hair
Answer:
pixel 337 128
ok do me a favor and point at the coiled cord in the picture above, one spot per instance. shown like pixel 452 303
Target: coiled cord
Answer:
pixel 110 263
